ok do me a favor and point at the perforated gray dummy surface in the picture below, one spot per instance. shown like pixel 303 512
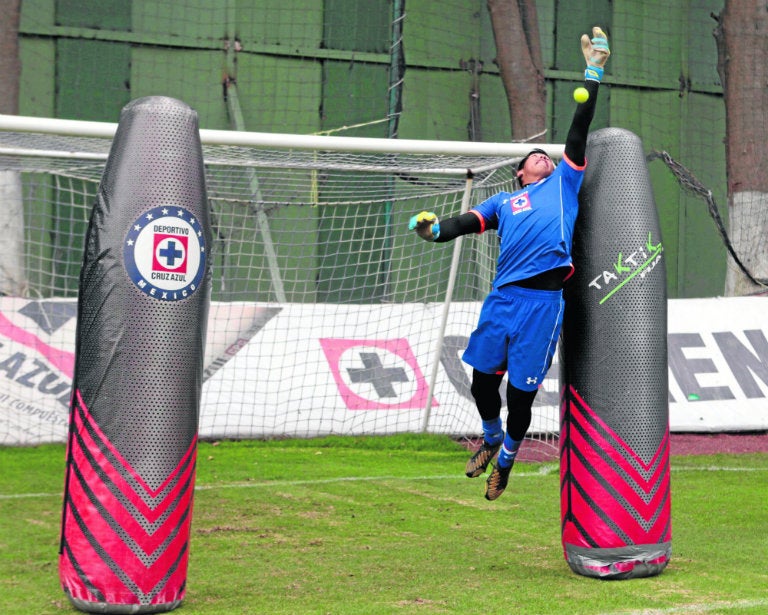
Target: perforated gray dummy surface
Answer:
pixel 615 328
pixel 144 289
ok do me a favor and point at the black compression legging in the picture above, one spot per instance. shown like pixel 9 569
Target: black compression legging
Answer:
pixel 485 390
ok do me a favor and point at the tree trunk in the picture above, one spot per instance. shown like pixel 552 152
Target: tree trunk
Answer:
pixel 12 272
pixel 518 56
pixel 741 36
pixel 10 67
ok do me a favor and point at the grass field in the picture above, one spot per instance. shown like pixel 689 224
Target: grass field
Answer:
pixel 390 525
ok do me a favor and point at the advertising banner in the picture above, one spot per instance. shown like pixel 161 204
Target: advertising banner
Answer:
pixel 717 361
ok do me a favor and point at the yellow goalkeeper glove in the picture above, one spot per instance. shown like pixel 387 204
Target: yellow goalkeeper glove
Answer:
pixel 426 225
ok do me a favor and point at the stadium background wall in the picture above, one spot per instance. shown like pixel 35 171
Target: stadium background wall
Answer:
pixel 308 66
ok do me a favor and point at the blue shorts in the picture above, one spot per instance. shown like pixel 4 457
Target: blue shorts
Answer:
pixel 517 332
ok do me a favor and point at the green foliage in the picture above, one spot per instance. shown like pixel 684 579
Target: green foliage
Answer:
pixel 390 525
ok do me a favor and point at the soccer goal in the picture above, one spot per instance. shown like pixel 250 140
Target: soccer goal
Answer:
pixel 328 316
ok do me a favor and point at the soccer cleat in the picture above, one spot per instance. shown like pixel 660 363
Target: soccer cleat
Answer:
pixel 480 460
pixel 497 482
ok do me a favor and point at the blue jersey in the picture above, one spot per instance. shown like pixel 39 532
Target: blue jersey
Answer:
pixel 534 224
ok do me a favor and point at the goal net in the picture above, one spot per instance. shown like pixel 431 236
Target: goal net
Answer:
pixel 327 317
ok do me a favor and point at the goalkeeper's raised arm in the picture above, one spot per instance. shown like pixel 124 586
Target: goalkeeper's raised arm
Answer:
pixel 596 53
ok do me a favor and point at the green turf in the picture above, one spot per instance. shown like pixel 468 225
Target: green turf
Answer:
pixel 391 525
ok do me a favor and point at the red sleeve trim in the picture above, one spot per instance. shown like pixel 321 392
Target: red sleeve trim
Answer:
pixel 573 165
pixel 482 221
pixel 570 273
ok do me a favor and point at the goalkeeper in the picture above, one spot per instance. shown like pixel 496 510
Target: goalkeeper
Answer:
pixel 521 318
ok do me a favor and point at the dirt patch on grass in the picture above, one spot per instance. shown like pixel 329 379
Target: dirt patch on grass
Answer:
pixel 681 444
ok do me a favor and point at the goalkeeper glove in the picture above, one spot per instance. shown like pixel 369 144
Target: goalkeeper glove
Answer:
pixel 426 225
pixel 596 53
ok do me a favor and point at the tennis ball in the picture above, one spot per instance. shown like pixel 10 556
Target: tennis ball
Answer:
pixel 580 95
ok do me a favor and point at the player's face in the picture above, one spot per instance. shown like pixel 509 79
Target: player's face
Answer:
pixel 537 167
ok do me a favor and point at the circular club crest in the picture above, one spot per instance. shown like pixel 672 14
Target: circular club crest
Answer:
pixel 165 253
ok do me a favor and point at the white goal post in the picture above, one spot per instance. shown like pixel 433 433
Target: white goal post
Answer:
pixel 328 316
pixel 106 130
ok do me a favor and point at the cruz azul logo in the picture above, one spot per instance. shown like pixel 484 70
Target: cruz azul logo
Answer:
pixel 520 204
pixel 627 267
pixel 376 374
pixel 165 253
